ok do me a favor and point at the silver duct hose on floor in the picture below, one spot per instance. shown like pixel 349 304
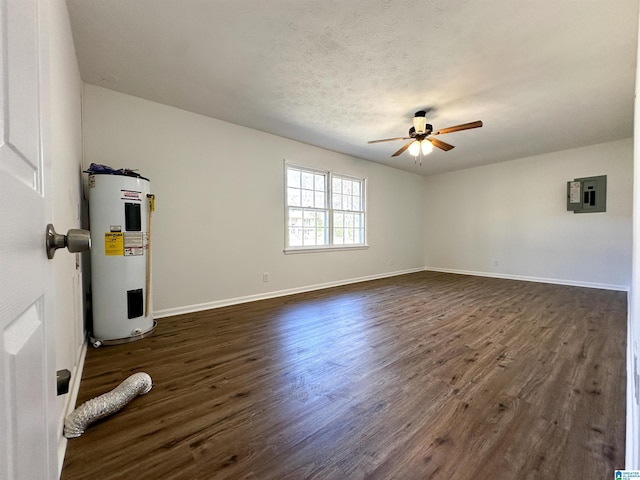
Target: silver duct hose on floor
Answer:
pixel 106 404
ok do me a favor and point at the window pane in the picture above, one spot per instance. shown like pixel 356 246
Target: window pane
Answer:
pixel 309 237
pixel 307 180
pixel 321 237
pixel 338 219
pixel 337 201
pixel 356 204
pixel 346 187
pixel 348 220
pixel 295 217
pixel 337 236
pixel 307 198
pixel 346 202
pixel 295 237
pixel 348 235
pixel 293 197
pixel 337 185
pixel 356 188
pixel 322 219
pixel 319 182
pixel 309 218
pixel 319 200
pixel 293 178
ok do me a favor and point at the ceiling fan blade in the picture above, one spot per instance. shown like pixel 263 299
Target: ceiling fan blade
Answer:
pixel 403 149
pixel 457 128
pixel 440 144
pixel 388 139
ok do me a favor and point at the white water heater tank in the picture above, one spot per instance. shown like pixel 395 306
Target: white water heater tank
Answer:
pixel 120 209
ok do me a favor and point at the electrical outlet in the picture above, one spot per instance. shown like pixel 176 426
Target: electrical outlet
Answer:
pixel 265 277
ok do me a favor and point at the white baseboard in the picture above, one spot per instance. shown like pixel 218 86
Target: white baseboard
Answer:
pixel 72 397
pixel 168 312
pixel 555 281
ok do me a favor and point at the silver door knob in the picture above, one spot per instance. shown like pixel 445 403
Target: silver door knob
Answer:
pixel 75 240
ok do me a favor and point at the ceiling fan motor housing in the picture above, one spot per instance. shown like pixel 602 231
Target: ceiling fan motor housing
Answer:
pixel 427 131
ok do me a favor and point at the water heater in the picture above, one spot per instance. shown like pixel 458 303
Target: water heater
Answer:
pixel 120 210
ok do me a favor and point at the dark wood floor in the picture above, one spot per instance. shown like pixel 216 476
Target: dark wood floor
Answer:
pixel 421 376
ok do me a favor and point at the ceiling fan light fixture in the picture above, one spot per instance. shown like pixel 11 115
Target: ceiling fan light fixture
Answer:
pixel 426 146
pixel 414 148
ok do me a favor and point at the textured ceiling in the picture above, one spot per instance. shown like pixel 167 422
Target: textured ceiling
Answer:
pixel 542 75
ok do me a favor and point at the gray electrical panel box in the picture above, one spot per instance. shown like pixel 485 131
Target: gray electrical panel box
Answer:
pixel 587 195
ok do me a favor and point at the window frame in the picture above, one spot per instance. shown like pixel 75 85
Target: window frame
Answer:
pixel 329 175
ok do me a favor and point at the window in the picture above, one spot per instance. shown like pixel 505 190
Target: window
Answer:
pixel 347 211
pixel 308 223
pixel 324 210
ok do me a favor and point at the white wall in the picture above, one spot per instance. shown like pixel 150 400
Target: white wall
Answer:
pixel 66 153
pixel 510 219
pixel 219 219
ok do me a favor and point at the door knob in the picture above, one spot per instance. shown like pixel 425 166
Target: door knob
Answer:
pixel 75 240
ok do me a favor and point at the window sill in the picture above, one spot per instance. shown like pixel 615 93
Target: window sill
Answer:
pixel 296 250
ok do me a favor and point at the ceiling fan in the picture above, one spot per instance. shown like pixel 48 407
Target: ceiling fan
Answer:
pixel 421 136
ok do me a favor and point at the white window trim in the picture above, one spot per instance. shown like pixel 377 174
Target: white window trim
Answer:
pixel 328 248
pixel 323 248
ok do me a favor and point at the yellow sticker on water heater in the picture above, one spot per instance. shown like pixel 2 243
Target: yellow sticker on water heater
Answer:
pixel 114 244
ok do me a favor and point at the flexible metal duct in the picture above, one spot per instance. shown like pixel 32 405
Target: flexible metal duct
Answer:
pixel 106 404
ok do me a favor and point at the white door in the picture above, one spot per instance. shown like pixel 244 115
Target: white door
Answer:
pixel 27 363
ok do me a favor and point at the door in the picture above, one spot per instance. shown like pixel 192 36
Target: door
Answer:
pixel 27 365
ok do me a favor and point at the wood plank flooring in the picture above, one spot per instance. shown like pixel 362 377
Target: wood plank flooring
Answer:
pixel 421 376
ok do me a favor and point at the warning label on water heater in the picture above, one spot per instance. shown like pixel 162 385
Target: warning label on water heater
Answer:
pixel 133 243
pixel 130 195
pixel 113 244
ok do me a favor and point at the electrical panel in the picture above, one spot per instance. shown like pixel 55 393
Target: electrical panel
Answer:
pixel 587 195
